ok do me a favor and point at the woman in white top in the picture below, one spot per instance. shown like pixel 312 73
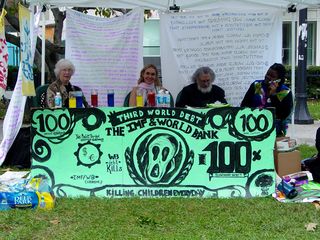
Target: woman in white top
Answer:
pixel 148 81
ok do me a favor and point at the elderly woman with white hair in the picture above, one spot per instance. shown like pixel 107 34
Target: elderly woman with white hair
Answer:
pixel 64 69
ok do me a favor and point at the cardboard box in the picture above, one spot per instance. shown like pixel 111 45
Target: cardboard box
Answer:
pixel 286 145
pixel 287 162
pixel 282 138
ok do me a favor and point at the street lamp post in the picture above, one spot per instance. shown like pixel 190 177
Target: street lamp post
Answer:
pixel 301 113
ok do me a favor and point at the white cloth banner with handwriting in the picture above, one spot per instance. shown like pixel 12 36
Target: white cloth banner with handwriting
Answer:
pixel 3 54
pixel 107 52
pixel 15 112
pixel 238 43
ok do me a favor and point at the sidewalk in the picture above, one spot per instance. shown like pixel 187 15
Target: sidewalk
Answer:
pixel 304 134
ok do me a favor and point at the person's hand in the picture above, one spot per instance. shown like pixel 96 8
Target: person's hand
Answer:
pixel 273 87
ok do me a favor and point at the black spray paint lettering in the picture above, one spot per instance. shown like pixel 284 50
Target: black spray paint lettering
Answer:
pixel 210 134
pixel 113 166
pixel 84 177
pixel 114 156
pixel 120 192
pixel 136 125
pixel 115 131
pixel 225 157
pixel 175 124
pixel 170 193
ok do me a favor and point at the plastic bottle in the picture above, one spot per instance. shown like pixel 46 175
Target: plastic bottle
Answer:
pixel 287 189
pixel 58 100
pixel 3 203
pixel 42 202
pixel 166 99
pixel 159 99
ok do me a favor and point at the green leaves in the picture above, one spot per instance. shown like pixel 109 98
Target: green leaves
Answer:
pixel 103 12
pixel 146 221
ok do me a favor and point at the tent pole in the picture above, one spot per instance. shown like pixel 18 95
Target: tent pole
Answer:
pixel 2 4
pixel 43 46
pixel 293 61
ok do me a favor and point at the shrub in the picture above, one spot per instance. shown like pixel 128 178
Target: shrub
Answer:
pixel 313 80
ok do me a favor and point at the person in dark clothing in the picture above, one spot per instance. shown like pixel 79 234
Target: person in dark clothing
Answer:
pixel 318 142
pixel 201 92
pixel 313 164
pixel 272 92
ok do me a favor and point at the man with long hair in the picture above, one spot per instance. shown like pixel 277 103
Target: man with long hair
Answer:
pixel 202 91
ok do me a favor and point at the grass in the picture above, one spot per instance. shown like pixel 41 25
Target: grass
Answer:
pixel 3 109
pixel 307 151
pixel 96 218
pixel 313 107
pixel 167 218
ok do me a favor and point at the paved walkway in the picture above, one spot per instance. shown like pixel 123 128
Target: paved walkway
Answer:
pixel 304 134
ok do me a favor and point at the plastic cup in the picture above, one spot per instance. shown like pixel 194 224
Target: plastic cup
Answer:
pixel 94 98
pixel 78 95
pixel 110 95
pixel 151 98
pixel 72 100
pixel 139 98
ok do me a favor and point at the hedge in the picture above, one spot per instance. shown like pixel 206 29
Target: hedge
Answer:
pixel 313 80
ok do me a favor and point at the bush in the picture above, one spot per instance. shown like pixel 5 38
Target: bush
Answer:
pixel 313 80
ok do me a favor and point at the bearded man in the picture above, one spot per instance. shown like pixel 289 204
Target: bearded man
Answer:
pixel 202 91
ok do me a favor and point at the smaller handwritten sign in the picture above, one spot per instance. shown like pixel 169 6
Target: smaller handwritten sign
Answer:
pixel 3 55
pixel 26 53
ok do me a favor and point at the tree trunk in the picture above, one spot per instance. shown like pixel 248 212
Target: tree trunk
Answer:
pixel 53 51
pixel 58 19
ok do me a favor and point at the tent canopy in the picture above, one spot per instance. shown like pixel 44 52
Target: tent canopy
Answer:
pixel 164 4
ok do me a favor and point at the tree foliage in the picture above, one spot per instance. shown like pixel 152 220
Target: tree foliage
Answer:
pixel 54 50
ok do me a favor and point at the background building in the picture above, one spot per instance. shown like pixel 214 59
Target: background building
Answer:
pixel 313 29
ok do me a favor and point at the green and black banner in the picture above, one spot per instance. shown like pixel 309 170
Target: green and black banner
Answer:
pixel 155 152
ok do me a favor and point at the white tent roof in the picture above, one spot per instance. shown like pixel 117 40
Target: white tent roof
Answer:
pixel 164 4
